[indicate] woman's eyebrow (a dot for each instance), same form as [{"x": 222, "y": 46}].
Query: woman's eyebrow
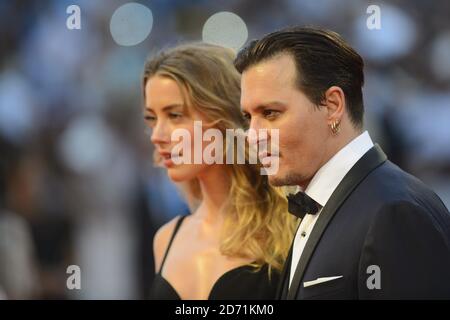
[{"x": 166, "y": 108}]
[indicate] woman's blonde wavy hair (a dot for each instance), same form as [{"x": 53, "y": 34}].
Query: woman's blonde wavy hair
[{"x": 257, "y": 224}]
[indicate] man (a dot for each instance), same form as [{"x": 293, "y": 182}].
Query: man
[{"x": 368, "y": 230}]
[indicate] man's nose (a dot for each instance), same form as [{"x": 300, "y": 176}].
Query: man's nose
[
  {"x": 255, "y": 124},
  {"x": 257, "y": 133}
]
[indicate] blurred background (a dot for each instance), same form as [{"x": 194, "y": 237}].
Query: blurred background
[{"x": 77, "y": 184}]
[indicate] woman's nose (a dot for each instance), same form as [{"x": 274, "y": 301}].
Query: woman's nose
[{"x": 160, "y": 134}]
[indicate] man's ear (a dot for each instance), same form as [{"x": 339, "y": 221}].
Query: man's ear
[{"x": 335, "y": 103}]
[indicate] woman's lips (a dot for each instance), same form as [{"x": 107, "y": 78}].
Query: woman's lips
[
  {"x": 168, "y": 163},
  {"x": 168, "y": 159}
]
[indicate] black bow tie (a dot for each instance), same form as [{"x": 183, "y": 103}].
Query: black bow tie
[{"x": 300, "y": 204}]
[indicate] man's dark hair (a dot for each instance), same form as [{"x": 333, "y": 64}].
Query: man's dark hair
[{"x": 323, "y": 59}]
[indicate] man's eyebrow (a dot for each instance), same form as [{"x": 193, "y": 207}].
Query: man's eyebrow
[
  {"x": 263, "y": 106},
  {"x": 166, "y": 108}
]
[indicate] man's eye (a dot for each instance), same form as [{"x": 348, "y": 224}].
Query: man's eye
[{"x": 270, "y": 114}]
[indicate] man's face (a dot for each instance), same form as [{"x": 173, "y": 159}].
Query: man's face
[{"x": 271, "y": 100}]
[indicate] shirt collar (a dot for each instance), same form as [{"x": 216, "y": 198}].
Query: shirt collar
[{"x": 328, "y": 177}]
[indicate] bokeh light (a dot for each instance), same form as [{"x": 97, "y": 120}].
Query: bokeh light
[
  {"x": 226, "y": 29},
  {"x": 131, "y": 24}
]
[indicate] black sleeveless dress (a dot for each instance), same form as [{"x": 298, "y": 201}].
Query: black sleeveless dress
[{"x": 241, "y": 283}]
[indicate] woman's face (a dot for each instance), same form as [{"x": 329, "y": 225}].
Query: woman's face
[{"x": 164, "y": 113}]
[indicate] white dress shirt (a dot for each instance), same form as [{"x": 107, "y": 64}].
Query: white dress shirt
[{"x": 322, "y": 186}]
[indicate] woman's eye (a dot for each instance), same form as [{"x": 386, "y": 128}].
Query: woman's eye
[
  {"x": 174, "y": 115},
  {"x": 150, "y": 119},
  {"x": 270, "y": 114},
  {"x": 247, "y": 116}
]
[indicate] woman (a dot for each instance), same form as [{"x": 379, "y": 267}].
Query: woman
[{"x": 234, "y": 244}]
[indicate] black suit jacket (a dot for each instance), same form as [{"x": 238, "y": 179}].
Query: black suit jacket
[{"x": 379, "y": 224}]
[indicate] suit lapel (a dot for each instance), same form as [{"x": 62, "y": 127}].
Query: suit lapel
[
  {"x": 371, "y": 160},
  {"x": 282, "y": 285}
]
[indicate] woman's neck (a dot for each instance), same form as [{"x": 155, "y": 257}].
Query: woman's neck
[{"x": 215, "y": 186}]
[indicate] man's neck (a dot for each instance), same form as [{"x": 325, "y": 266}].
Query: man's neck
[{"x": 334, "y": 146}]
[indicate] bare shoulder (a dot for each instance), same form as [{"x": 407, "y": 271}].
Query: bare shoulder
[{"x": 161, "y": 241}]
